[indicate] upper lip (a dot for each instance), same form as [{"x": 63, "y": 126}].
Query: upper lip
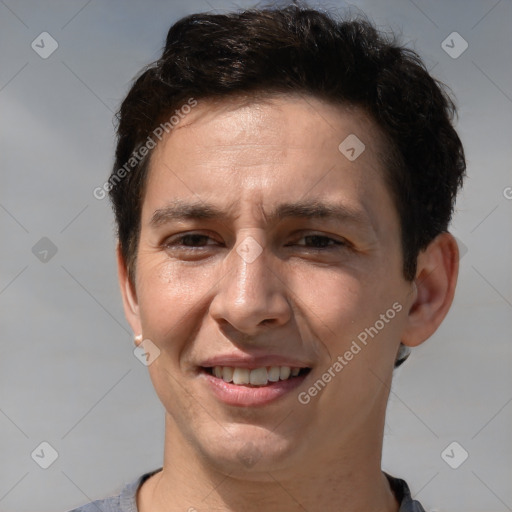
[{"x": 251, "y": 362}]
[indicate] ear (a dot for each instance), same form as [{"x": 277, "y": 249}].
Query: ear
[
  {"x": 436, "y": 277},
  {"x": 128, "y": 293}
]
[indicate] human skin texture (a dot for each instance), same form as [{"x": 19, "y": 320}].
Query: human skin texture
[{"x": 276, "y": 279}]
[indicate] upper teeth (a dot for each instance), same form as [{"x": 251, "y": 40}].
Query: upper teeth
[{"x": 256, "y": 377}]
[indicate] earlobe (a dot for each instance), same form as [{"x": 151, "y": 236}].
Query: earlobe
[
  {"x": 128, "y": 293},
  {"x": 435, "y": 281}
]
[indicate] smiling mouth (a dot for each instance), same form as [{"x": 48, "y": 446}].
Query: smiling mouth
[{"x": 256, "y": 377}]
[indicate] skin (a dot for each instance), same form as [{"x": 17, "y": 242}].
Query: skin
[{"x": 295, "y": 299}]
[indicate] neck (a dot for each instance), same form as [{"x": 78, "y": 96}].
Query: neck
[{"x": 340, "y": 479}]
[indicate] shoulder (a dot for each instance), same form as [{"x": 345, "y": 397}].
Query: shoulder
[
  {"x": 126, "y": 501},
  {"x": 111, "y": 504},
  {"x": 403, "y": 495}
]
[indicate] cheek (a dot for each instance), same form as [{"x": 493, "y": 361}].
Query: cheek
[
  {"x": 329, "y": 298},
  {"x": 343, "y": 307},
  {"x": 339, "y": 300},
  {"x": 169, "y": 298}
]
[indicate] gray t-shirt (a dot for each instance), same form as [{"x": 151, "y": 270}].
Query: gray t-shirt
[{"x": 126, "y": 501}]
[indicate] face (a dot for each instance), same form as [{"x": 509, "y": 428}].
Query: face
[{"x": 269, "y": 277}]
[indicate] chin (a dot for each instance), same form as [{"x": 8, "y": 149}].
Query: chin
[{"x": 250, "y": 450}]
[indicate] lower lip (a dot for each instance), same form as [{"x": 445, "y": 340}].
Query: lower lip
[{"x": 245, "y": 396}]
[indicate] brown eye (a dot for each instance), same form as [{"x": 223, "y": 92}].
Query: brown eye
[
  {"x": 320, "y": 242},
  {"x": 193, "y": 240},
  {"x": 189, "y": 241}
]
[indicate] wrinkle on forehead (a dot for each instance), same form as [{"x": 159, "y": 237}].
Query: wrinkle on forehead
[{"x": 261, "y": 109}]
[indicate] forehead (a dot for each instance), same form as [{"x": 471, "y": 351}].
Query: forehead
[
  {"x": 268, "y": 150},
  {"x": 275, "y": 121}
]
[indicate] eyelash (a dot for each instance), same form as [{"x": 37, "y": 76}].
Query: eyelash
[{"x": 177, "y": 242}]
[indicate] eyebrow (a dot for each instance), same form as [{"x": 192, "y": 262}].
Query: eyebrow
[{"x": 179, "y": 210}]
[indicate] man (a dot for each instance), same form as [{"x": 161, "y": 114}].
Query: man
[{"x": 283, "y": 187}]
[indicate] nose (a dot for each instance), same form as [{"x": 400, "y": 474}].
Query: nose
[{"x": 253, "y": 294}]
